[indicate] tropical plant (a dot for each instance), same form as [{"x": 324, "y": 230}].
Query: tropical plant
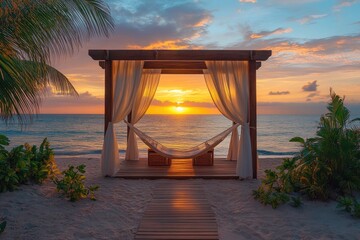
[
  {"x": 34, "y": 32},
  {"x": 2, "y": 226},
  {"x": 72, "y": 184},
  {"x": 327, "y": 165},
  {"x": 331, "y": 160},
  {"x": 24, "y": 164},
  {"x": 8, "y": 177},
  {"x": 42, "y": 163},
  {"x": 350, "y": 205}
]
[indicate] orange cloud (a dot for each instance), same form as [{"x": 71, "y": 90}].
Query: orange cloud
[
  {"x": 248, "y": 1},
  {"x": 203, "y": 22},
  {"x": 277, "y": 31},
  {"x": 168, "y": 44}
]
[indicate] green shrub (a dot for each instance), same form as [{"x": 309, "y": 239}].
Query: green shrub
[
  {"x": 350, "y": 205},
  {"x": 72, "y": 184},
  {"x": 296, "y": 202},
  {"x": 8, "y": 177},
  {"x": 42, "y": 163},
  {"x": 327, "y": 165},
  {"x": 2, "y": 226},
  {"x": 24, "y": 164}
]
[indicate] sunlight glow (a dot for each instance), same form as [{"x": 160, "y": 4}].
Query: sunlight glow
[{"x": 179, "y": 109}]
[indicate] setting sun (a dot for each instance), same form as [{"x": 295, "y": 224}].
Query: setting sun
[{"x": 179, "y": 110}]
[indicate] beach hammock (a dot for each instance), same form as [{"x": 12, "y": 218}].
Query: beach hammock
[{"x": 177, "y": 153}]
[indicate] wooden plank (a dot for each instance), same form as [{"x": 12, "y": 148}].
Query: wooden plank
[
  {"x": 178, "y": 211},
  {"x": 179, "y": 169},
  {"x": 252, "y": 115},
  {"x": 190, "y": 55}
]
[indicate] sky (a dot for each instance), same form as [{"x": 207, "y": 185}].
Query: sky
[{"x": 315, "y": 46}]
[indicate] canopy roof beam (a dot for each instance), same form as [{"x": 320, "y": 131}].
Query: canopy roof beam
[
  {"x": 181, "y": 55},
  {"x": 176, "y": 67}
]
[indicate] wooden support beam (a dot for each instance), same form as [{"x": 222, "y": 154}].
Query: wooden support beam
[
  {"x": 102, "y": 64},
  {"x": 108, "y": 93},
  {"x": 252, "y": 115},
  {"x": 176, "y": 67},
  {"x": 128, "y": 128},
  {"x": 180, "y": 55},
  {"x": 182, "y": 71},
  {"x": 258, "y": 65}
]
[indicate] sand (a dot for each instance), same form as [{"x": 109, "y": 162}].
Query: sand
[{"x": 37, "y": 212}]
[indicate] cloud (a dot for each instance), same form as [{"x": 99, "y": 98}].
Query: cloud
[
  {"x": 310, "y": 87},
  {"x": 343, "y": 3},
  {"x": 311, "y": 95},
  {"x": 287, "y": 2},
  {"x": 84, "y": 103},
  {"x": 310, "y": 18},
  {"x": 296, "y": 57},
  {"x": 248, "y": 1},
  {"x": 297, "y": 108},
  {"x": 279, "y": 93},
  {"x": 154, "y": 24},
  {"x": 263, "y": 34}
]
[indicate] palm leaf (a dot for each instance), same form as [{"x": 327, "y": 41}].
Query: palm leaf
[
  {"x": 32, "y": 34},
  {"x": 22, "y": 85}
]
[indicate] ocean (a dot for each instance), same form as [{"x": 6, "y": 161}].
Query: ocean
[{"x": 82, "y": 135}]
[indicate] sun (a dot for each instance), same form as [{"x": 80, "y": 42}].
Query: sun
[{"x": 179, "y": 109}]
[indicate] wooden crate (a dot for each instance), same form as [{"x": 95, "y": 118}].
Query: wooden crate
[
  {"x": 207, "y": 159},
  {"x": 155, "y": 159}
]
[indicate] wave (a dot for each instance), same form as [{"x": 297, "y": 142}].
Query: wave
[
  {"x": 80, "y": 153},
  {"x": 270, "y": 153}
]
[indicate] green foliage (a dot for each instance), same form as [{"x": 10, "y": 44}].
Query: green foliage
[
  {"x": 296, "y": 202},
  {"x": 2, "y": 226},
  {"x": 24, "y": 164},
  {"x": 269, "y": 197},
  {"x": 330, "y": 162},
  {"x": 350, "y": 205},
  {"x": 345, "y": 203},
  {"x": 327, "y": 164},
  {"x": 72, "y": 184},
  {"x": 33, "y": 33},
  {"x": 42, "y": 163}
]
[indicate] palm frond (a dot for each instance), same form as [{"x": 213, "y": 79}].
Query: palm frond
[
  {"x": 34, "y": 32},
  {"x": 22, "y": 84}
]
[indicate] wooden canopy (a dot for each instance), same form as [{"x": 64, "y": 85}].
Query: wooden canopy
[{"x": 185, "y": 62}]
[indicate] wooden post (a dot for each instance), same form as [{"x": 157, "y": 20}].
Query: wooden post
[
  {"x": 252, "y": 114},
  {"x": 128, "y": 128},
  {"x": 109, "y": 94}
]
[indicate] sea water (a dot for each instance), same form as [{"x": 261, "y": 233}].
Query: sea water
[{"x": 82, "y": 135}]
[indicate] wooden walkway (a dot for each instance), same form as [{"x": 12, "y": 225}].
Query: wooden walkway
[
  {"x": 179, "y": 169},
  {"x": 178, "y": 211}
]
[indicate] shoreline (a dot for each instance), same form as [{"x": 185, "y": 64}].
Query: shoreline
[{"x": 37, "y": 211}]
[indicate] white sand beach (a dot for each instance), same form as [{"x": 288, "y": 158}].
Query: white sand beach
[{"x": 37, "y": 211}]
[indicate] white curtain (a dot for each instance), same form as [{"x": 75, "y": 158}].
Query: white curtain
[
  {"x": 126, "y": 76},
  {"x": 148, "y": 85},
  {"x": 228, "y": 84}
]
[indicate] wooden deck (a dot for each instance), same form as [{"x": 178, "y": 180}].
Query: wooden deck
[
  {"x": 179, "y": 210},
  {"x": 179, "y": 169}
]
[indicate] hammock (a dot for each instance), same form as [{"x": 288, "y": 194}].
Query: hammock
[{"x": 182, "y": 153}]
